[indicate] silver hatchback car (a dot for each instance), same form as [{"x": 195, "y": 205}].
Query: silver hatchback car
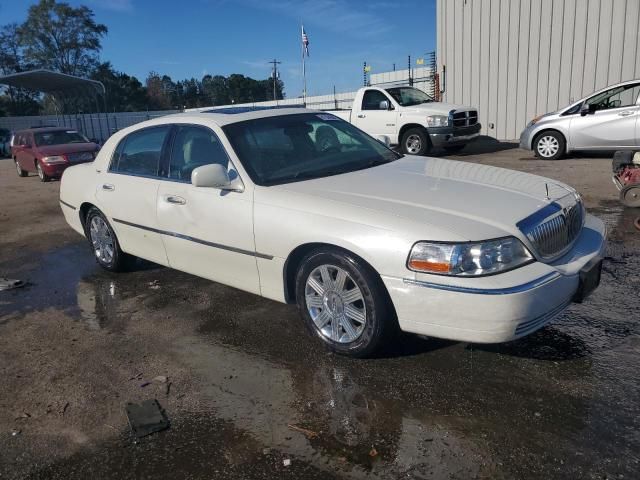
[{"x": 605, "y": 120}]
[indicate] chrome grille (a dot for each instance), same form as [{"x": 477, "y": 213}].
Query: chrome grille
[
  {"x": 555, "y": 232},
  {"x": 464, "y": 119}
]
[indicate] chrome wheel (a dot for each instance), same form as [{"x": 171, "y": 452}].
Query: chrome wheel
[
  {"x": 335, "y": 303},
  {"x": 40, "y": 171},
  {"x": 18, "y": 169},
  {"x": 548, "y": 146},
  {"x": 413, "y": 144},
  {"x": 101, "y": 239}
]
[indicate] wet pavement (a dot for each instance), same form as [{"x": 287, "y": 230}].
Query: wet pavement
[{"x": 248, "y": 388}]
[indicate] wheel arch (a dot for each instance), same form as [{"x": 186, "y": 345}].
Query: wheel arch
[
  {"x": 408, "y": 126},
  {"x": 542, "y": 131},
  {"x": 83, "y": 210},
  {"x": 294, "y": 260}
]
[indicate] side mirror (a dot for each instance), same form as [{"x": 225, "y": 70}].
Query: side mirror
[
  {"x": 383, "y": 105},
  {"x": 214, "y": 176},
  {"x": 588, "y": 108},
  {"x": 383, "y": 139}
]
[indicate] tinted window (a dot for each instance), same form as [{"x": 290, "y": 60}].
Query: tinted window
[
  {"x": 58, "y": 138},
  {"x": 139, "y": 153},
  {"x": 290, "y": 148},
  {"x": 192, "y": 148},
  {"x": 372, "y": 98},
  {"x": 408, "y": 96},
  {"x": 623, "y": 96}
]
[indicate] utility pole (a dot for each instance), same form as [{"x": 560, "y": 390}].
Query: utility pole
[{"x": 274, "y": 72}]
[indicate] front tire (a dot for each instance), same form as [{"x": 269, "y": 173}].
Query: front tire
[
  {"x": 415, "y": 141},
  {"x": 43, "y": 176},
  {"x": 343, "y": 302},
  {"x": 104, "y": 243},
  {"x": 19, "y": 170},
  {"x": 549, "y": 145}
]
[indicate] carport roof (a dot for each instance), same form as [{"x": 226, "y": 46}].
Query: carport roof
[{"x": 54, "y": 83}]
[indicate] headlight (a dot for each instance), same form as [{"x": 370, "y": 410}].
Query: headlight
[
  {"x": 53, "y": 159},
  {"x": 535, "y": 120},
  {"x": 469, "y": 259},
  {"x": 437, "y": 121}
]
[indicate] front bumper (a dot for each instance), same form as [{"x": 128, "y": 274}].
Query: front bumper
[
  {"x": 495, "y": 308},
  {"x": 446, "y": 136},
  {"x": 526, "y": 138}
]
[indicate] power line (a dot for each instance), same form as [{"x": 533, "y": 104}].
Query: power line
[{"x": 274, "y": 73}]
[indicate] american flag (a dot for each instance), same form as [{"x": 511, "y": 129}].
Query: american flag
[{"x": 305, "y": 43}]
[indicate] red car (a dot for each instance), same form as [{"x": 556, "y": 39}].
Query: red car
[{"x": 48, "y": 151}]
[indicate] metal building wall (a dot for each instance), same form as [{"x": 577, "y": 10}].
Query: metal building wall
[{"x": 515, "y": 59}]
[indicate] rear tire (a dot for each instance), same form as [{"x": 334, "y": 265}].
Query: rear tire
[
  {"x": 342, "y": 301},
  {"x": 104, "y": 243},
  {"x": 549, "y": 145},
  {"x": 43, "y": 176},
  {"x": 21, "y": 172},
  {"x": 415, "y": 141}
]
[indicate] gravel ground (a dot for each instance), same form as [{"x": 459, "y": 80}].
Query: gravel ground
[{"x": 247, "y": 389}]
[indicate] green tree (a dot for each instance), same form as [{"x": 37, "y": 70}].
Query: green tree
[
  {"x": 15, "y": 101},
  {"x": 62, "y": 38},
  {"x": 124, "y": 93},
  {"x": 215, "y": 90},
  {"x": 156, "y": 93}
]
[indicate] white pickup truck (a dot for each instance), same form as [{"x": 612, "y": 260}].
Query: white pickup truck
[{"x": 410, "y": 118}]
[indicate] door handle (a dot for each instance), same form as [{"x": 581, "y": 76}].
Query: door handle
[
  {"x": 626, "y": 113},
  {"x": 175, "y": 200},
  {"x": 108, "y": 186},
  {"x": 361, "y": 116}
]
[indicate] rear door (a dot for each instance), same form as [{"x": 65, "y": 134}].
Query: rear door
[
  {"x": 127, "y": 192},
  {"x": 23, "y": 152},
  {"x": 208, "y": 231},
  {"x": 372, "y": 118},
  {"x": 612, "y": 125}
]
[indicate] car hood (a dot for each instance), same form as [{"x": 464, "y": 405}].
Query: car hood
[
  {"x": 437, "y": 108},
  {"x": 469, "y": 201},
  {"x": 67, "y": 148}
]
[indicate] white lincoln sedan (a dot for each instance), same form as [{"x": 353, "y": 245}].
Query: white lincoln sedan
[{"x": 300, "y": 206}]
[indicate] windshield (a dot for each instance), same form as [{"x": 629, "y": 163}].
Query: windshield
[
  {"x": 291, "y": 148},
  {"x": 58, "y": 137},
  {"x": 408, "y": 96}
]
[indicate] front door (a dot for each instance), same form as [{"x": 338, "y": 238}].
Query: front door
[
  {"x": 206, "y": 231},
  {"x": 376, "y": 120},
  {"x": 612, "y": 123},
  {"x": 127, "y": 192}
]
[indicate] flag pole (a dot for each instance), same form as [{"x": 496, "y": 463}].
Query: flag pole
[{"x": 304, "y": 72}]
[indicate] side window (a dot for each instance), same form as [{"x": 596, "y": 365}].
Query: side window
[
  {"x": 371, "y": 100},
  {"x": 139, "y": 153},
  {"x": 624, "y": 96},
  {"x": 192, "y": 148}
]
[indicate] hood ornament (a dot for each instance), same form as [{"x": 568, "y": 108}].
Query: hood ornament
[{"x": 546, "y": 186}]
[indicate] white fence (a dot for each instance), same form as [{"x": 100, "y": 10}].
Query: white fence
[{"x": 97, "y": 126}]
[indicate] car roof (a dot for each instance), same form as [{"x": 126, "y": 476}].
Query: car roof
[
  {"x": 229, "y": 115},
  {"x": 45, "y": 129}
]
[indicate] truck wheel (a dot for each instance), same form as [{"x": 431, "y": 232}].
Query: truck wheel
[
  {"x": 630, "y": 196},
  {"x": 549, "y": 145},
  {"x": 415, "y": 141}
]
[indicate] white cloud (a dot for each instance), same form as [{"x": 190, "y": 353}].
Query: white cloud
[{"x": 336, "y": 15}]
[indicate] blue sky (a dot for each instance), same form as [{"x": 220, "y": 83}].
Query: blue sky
[{"x": 194, "y": 37}]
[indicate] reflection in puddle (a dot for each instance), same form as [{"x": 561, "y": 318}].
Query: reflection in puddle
[{"x": 349, "y": 423}]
